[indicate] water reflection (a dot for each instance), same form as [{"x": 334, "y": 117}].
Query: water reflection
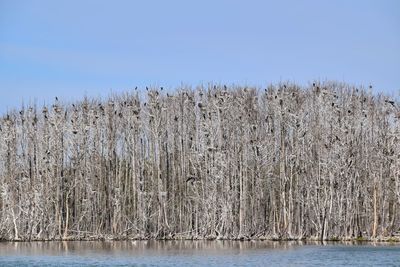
[
  {"x": 65, "y": 247},
  {"x": 158, "y": 247},
  {"x": 197, "y": 253}
]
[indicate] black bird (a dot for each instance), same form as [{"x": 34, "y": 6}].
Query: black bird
[
  {"x": 136, "y": 88},
  {"x": 56, "y": 98},
  {"x": 191, "y": 179},
  {"x": 161, "y": 88},
  {"x": 313, "y": 84},
  {"x": 147, "y": 88},
  {"x": 391, "y": 102}
]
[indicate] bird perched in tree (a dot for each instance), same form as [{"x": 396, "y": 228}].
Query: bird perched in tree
[
  {"x": 56, "y": 98},
  {"x": 391, "y": 102},
  {"x": 191, "y": 179}
]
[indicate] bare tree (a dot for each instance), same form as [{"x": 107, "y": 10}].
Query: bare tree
[{"x": 283, "y": 162}]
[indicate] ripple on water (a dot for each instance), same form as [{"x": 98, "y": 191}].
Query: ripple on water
[{"x": 197, "y": 253}]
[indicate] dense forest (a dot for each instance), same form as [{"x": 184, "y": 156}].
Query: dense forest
[{"x": 284, "y": 162}]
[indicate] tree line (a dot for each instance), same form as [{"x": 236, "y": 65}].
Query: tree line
[{"x": 284, "y": 162}]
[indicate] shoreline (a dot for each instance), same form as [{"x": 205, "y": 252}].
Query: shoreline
[{"x": 394, "y": 239}]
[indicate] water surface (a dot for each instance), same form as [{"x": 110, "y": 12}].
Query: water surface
[{"x": 197, "y": 253}]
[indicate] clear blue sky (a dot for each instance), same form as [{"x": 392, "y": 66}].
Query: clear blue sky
[{"x": 72, "y": 48}]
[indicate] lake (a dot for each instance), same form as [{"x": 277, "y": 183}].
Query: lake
[{"x": 197, "y": 253}]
